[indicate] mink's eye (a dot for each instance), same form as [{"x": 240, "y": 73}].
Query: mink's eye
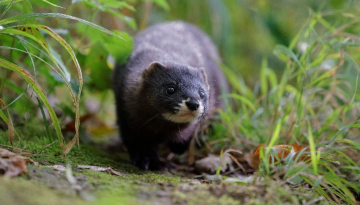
[
  {"x": 202, "y": 94},
  {"x": 170, "y": 90}
]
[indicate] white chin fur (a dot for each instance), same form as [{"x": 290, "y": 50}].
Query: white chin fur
[{"x": 184, "y": 115}]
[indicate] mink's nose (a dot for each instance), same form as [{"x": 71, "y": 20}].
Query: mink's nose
[{"x": 192, "y": 105}]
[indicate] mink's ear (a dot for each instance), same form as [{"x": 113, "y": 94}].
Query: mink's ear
[
  {"x": 202, "y": 71},
  {"x": 153, "y": 68}
]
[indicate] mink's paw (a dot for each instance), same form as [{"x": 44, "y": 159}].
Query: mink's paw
[{"x": 148, "y": 163}]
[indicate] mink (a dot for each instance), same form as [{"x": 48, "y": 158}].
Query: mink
[{"x": 169, "y": 86}]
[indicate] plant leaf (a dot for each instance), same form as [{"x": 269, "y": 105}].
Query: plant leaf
[
  {"x": 38, "y": 90},
  {"x": 6, "y": 9},
  {"x": 52, "y": 4},
  {"x": 53, "y": 15}
]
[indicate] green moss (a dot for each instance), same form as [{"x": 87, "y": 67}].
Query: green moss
[
  {"x": 49, "y": 152},
  {"x": 152, "y": 178},
  {"x": 112, "y": 189}
]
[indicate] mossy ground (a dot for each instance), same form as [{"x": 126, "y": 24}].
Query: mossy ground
[{"x": 45, "y": 185}]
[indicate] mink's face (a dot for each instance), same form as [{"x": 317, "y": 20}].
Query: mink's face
[{"x": 179, "y": 93}]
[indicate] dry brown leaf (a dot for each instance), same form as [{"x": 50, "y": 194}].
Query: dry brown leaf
[
  {"x": 253, "y": 159},
  {"x": 12, "y": 164},
  {"x": 12, "y": 167},
  {"x": 100, "y": 169},
  {"x": 4, "y": 153}
]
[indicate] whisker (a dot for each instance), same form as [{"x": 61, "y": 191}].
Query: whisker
[
  {"x": 180, "y": 132},
  {"x": 149, "y": 120}
]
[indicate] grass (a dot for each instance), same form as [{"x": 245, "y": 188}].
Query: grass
[{"x": 315, "y": 102}]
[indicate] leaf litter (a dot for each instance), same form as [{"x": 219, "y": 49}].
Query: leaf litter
[{"x": 12, "y": 164}]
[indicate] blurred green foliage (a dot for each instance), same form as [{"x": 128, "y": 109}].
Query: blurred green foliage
[{"x": 247, "y": 31}]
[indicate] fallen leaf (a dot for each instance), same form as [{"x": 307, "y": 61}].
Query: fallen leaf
[
  {"x": 283, "y": 151},
  {"x": 252, "y": 160},
  {"x": 11, "y": 164},
  {"x": 100, "y": 169},
  {"x": 4, "y": 153},
  {"x": 211, "y": 163}
]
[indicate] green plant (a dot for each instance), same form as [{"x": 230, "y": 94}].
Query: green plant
[
  {"x": 24, "y": 42},
  {"x": 314, "y": 102}
]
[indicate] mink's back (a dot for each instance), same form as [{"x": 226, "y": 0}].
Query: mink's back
[{"x": 176, "y": 42}]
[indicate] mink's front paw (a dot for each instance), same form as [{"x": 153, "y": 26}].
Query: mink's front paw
[{"x": 148, "y": 163}]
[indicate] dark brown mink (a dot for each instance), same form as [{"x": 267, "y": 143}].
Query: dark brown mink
[{"x": 170, "y": 84}]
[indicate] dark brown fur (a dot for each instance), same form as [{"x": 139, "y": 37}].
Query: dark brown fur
[{"x": 177, "y": 55}]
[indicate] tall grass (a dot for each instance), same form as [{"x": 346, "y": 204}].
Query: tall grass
[{"x": 315, "y": 102}]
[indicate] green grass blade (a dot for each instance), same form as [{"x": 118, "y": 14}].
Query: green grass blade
[
  {"x": 61, "y": 71},
  {"x": 314, "y": 157},
  {"x": 38, "y": 90},
  {"x": 12, "y": 31},
  {"x": 72, "y": 54},
  {"x": 6, "y": 9},
  {"x": 54, "y": 15},
  {"x": 30, "y": 54},
  {"x": 6, "y": 2},
  {"x": 52, "y": 4},
  {"x": 350, "y": 142},
  {"x": 243, "y": 100},
  {"x": 284, "y": 53},
  {"x": 44, "y": 118},
  {"x": 272, "y": 142},
  {"x": 4, "y": 117},
  {"x": 76, "y": 101},
  {"x": 263, "y": 82}
]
